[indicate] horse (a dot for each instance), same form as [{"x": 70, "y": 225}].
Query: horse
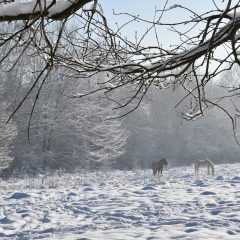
[
  {"x": 204, "y": 163},
  {"x": 157, "y": 166}
]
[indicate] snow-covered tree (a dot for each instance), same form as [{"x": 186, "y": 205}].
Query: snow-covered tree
[
  {"x": 75, "y": 131},
  {"x": 8, "y": 131},
  {"x": 66, "y": 131},
  {"x": 57, "y": 129}
]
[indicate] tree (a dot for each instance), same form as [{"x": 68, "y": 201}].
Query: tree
[
  {"x": 66, "y": 132},
  {"x": 8, "y": 132},
  {"x": 130, "y": 63}
]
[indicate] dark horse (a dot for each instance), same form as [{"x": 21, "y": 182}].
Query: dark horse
[{"x": 157, "y": 166}]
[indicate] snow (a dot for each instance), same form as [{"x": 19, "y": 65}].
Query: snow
[{"x": 123, "y": 205}]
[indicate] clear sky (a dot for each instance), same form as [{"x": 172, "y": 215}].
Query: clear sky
[{"x": 145, "y": 9}]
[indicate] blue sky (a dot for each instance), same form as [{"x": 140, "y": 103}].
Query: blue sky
[{"x": 145, "y": 8}]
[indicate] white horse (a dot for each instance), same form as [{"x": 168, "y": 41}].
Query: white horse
[{"x": 204, "y": 163}]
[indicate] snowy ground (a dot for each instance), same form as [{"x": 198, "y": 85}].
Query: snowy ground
[{"x": 123, "y": 205}]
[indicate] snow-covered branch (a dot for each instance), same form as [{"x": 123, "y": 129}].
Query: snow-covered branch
[{"x": 51, "y": 9}]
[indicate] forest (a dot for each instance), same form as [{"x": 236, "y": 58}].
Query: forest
[
  {"x": 69, "y": 133},
  {"x": 75, "y": 94}
]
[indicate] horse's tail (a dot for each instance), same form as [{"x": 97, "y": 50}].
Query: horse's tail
[{"x": 211, "y": 166}]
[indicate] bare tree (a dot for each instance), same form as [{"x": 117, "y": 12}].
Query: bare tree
[{"x": 128, "y": 62}]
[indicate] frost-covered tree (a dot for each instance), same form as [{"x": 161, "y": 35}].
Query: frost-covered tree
[
  {"x": 81, "y": 130},
  {"x": 8, "y": 131},
  {"x": 66, "y": 131},
  {"x": 61, "y": 130}
]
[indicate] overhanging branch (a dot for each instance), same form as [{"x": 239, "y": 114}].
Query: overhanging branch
[{"x": 54, "y": 9}]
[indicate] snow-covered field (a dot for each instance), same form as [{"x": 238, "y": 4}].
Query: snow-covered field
[{"x": 123, "y": 205}]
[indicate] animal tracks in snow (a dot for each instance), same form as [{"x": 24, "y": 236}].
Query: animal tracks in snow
[{"x": 124, "y": 205}]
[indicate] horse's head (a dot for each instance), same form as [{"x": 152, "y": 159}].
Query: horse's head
[{"x": 164, "y": 161}]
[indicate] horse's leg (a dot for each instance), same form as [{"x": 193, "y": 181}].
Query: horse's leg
[
  {"x": 208, "y": 169},
  {"x": 195, "y": 169},
  {"x": 213, "y": 170}
]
